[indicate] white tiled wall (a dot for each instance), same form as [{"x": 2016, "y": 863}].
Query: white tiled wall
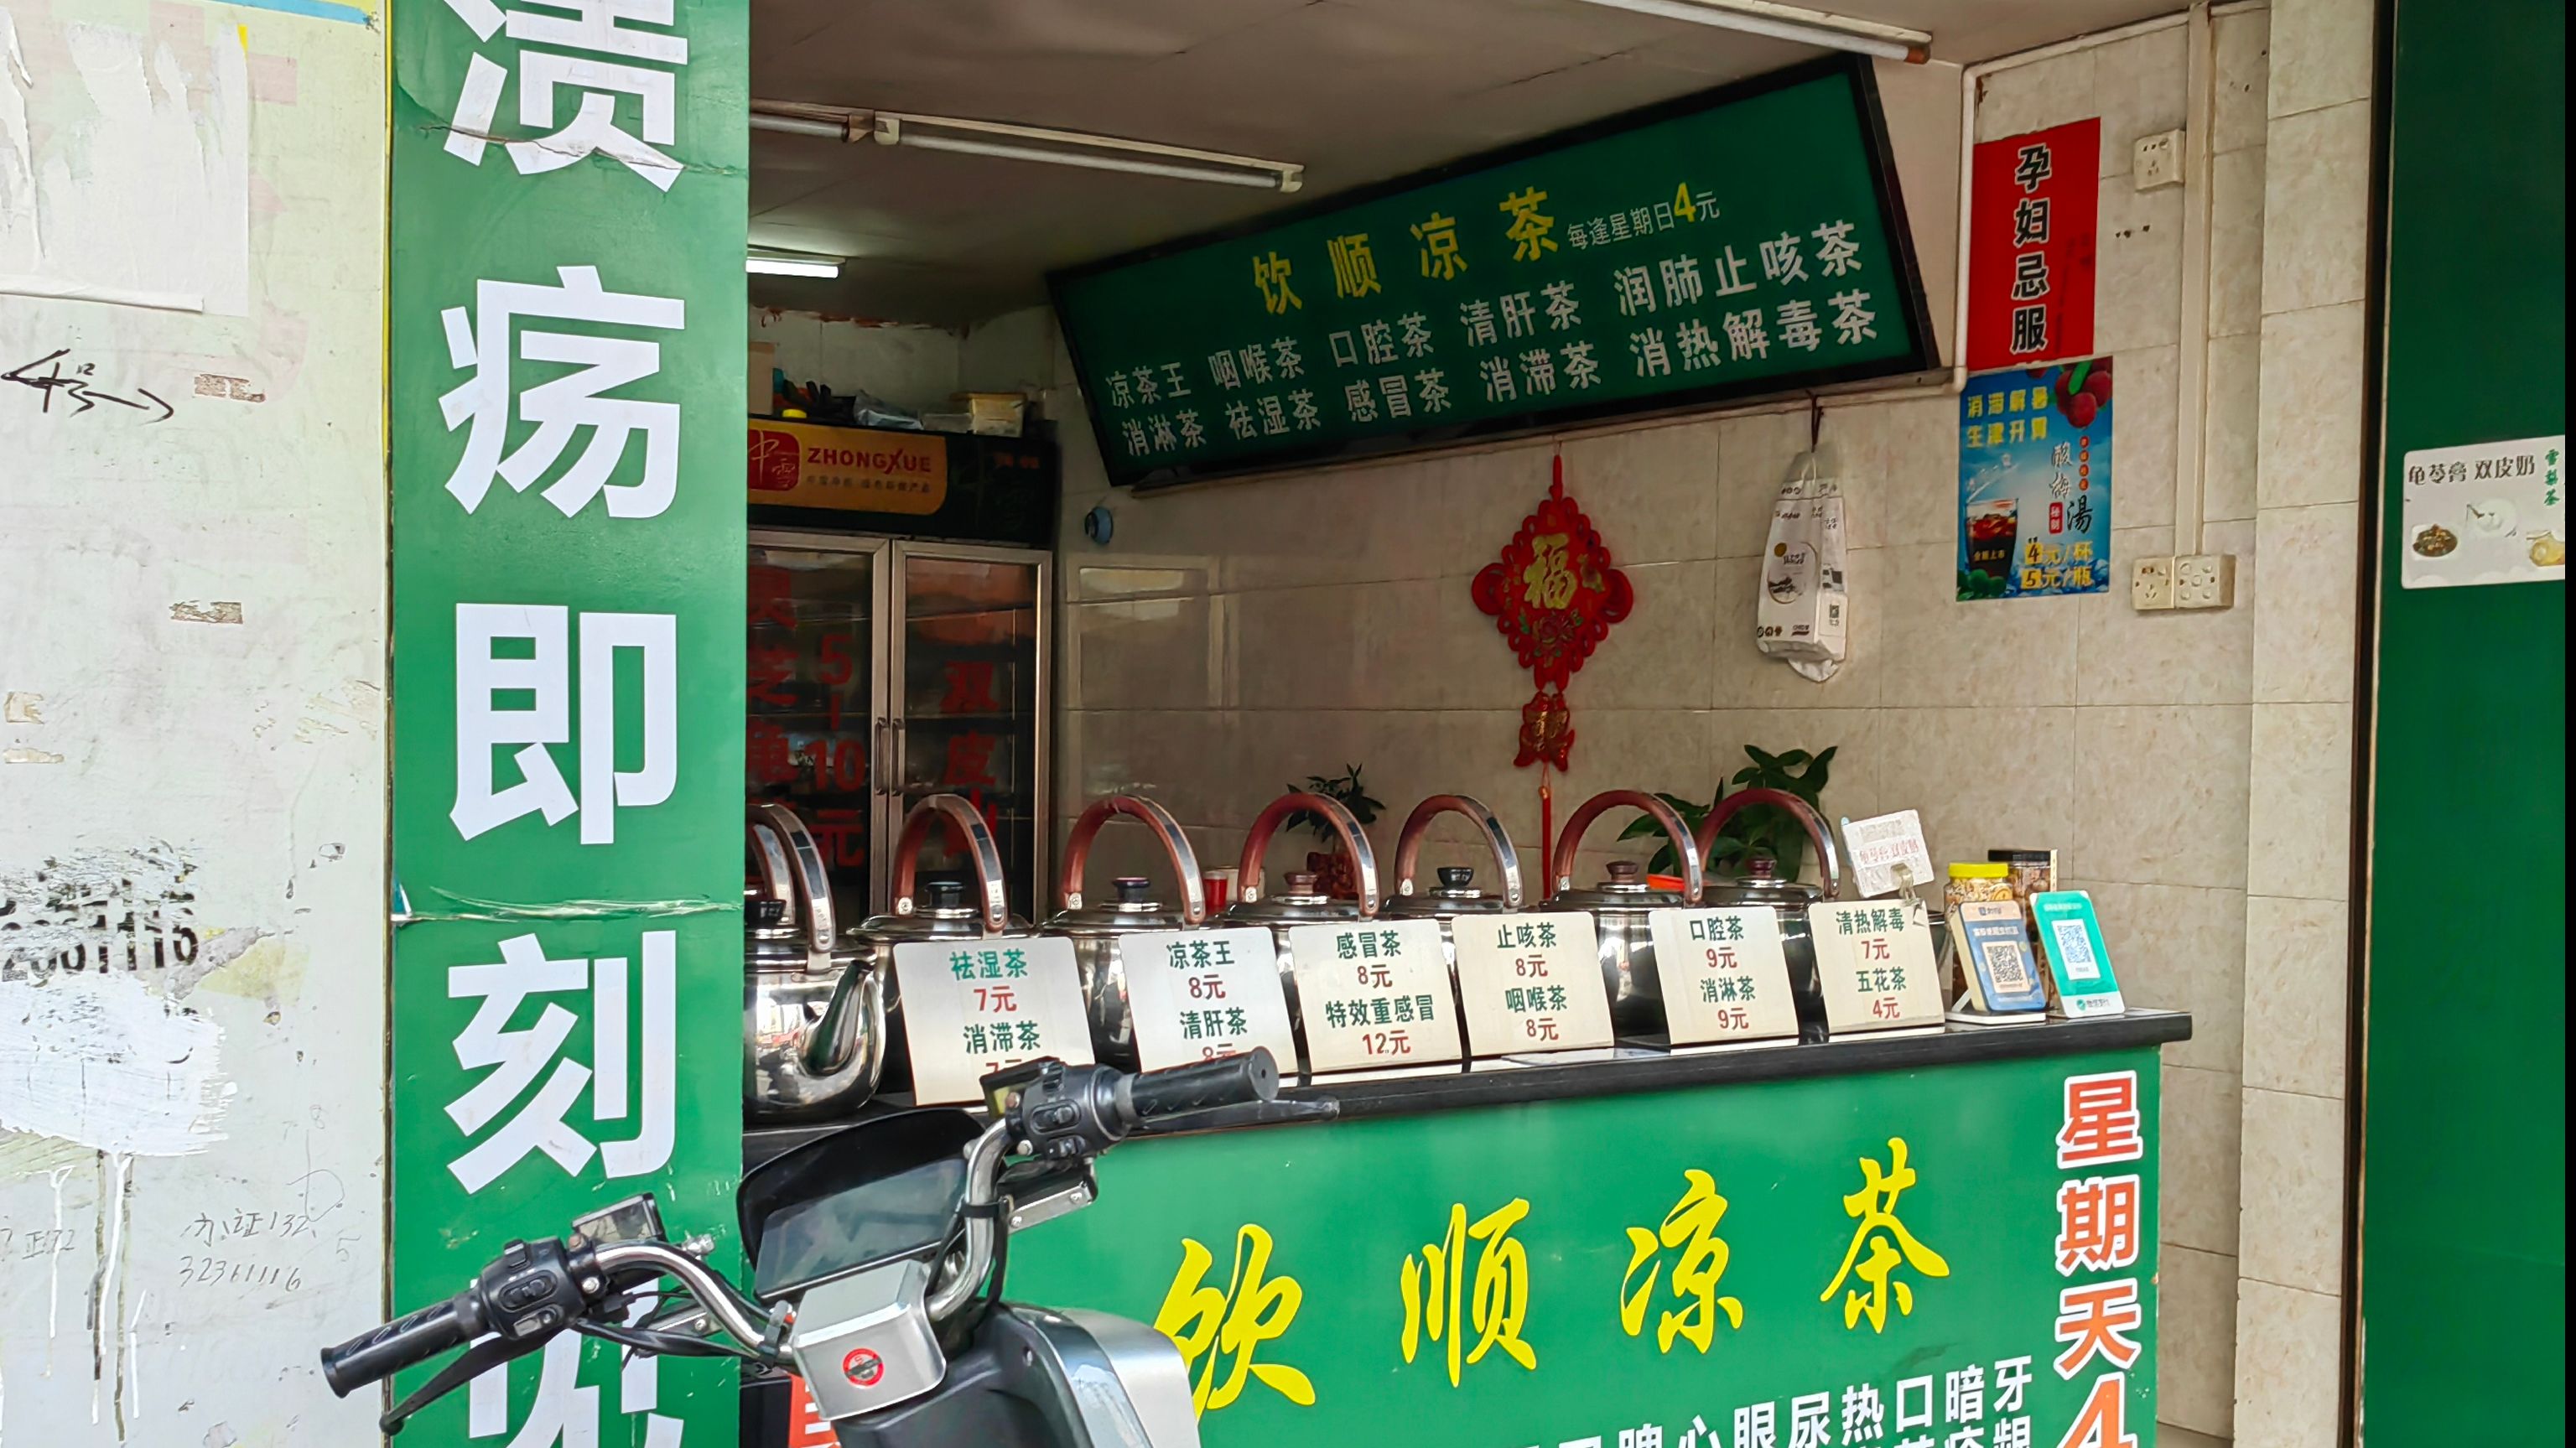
[
  {"x": 2299, "y": 835},
  {"x": 1232, "y": 638}
]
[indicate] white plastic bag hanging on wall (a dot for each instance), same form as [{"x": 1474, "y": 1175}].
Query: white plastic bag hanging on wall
[{"x": 1803, "y": 616}]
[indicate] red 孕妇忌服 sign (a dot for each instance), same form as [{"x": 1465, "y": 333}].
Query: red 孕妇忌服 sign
[{"x": 2034, "y": 206}]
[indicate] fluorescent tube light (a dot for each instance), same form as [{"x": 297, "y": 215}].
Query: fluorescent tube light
[
  {"x": 1026, "y": 143},
  {"x": 1790, "y": 23},
  {"x": 791, "y": 264}
]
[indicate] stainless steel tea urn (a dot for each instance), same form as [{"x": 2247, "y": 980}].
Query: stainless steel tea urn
[
  {"x": 1456, "y": 893},
  {"x": 1787, "y": 899},
  {"x": 1095, "y": 929},
  {"x": 947, "y": 913},
  {"x": 814, "y": 1011},
  {"x": 1301, "y": 903},
  {"x": 1620, "y": 906}
]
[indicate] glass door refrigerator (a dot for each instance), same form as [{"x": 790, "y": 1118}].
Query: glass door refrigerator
[{"x": 882, "y": 671}]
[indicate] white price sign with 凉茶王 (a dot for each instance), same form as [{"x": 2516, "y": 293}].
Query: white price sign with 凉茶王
[
  {"x": 1194, "y": 995},
  {"x": 1374, "y": 995},
  {"x": 1531, "y": 983},
  {"x": 972, "y": 1007},
  {"x": 1724, "y": 976}
]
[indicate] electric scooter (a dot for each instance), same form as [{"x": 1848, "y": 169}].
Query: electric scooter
[{"x": 878, "y": 1255}]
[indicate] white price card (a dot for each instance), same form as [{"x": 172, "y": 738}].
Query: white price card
[
  {"x": 1876, "y": 961},
  {"x": 1374, "y": 995},
  {"x": 1724, "y": 976},
  {"x": 2492, "y": 512},
  {"x": 1195, "y": 995},
  {"x": 971, "y": 1007},
  {"x": 1881, "y": 843},
  {"x": 1531, "y": 983}
]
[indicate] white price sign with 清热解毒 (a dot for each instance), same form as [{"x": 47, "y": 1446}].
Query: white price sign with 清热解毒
[
  {"x": 971, "y": 1007},
  {"x": 1194, "y": 995},
  {"x": 1374, "y": 995},
  {"x": 1876, "y": 964},
  {"x": 1724, "y": 976},
  {"x": 1531, "y": 983}
]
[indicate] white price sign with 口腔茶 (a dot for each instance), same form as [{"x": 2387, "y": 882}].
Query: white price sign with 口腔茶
[
  {"x": 1195, "y": 995},
  {"x": 1532, "y": 983},
  {"x": 1877, "y": 967},
  {"x": 1724, "y": 976},
  {"x": 1374, "y": 995},
  {"x": 972, "y": 1007}
]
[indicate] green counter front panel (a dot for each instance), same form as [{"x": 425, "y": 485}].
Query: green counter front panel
[{"x": 1553, "y": 1267}]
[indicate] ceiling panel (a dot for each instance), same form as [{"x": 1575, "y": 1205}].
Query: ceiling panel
[{"x": 1355, "y": 90}]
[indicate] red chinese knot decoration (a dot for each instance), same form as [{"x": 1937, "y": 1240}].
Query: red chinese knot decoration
[{"x": 1554, "y": 594}]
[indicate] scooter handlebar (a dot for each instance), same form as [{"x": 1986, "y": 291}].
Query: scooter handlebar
[
  {"x": 1225, "y": 1081},
  {"x": 407, "y": 1341}
]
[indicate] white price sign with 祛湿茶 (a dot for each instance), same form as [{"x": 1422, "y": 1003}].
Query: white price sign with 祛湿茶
[
  {"x": 1876, "y": 963},
  {"x": 1724, "y": 976},
  {"x": 972, "y": 1007},
  {"x": 1531, "y": 983},
  {"x": 1195, "y": 995},
  {"x": 1879, "y": 845},
  {"x": 1374, "y": 995}
]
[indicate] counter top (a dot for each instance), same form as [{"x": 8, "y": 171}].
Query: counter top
[{"x": 1851, "y": 1056}]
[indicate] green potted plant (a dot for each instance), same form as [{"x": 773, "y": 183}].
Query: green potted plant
[
  {"x": 1761, "y": 831},
  {"x": 1335, "y": 874}
]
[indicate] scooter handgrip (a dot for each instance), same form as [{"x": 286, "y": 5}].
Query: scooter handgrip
[
  {"x": 1226, "y": 1081},
  {"x": 407, "y": 1341}
]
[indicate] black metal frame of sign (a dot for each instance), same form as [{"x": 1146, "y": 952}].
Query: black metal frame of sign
[{"x": 1916, "y": 355}]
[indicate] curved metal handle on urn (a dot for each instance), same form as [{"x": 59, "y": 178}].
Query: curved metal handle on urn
[
  {"x": 1408, "y": 844},
  {"x": 980, "y": 849},
  {"x": 1176, "y": 847},
  {"x": 1561, "y": 869},
  {"x": 784, "y": 845},
  {"x": 1818, "y": 833},
  {"x": 1256, "y": 845}
]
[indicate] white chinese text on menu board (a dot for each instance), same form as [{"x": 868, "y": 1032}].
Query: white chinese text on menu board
[
  {"x": 1198, "y": 994},
  {"x": 1532, "y": 983},
  {"x": 1724, "y": 976},
  {"x": 1374, "y": 995},
  {"x": 972, "y": 1007}
]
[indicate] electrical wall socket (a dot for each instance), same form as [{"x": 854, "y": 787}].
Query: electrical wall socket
[
  {"x": 2157, "y": 160},
  {"x": 2205, "y": 580},
  {"x": 2151, "y": 584}
]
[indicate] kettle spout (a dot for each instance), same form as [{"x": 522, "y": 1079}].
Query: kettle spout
[{"x": 848, "y": 1044}]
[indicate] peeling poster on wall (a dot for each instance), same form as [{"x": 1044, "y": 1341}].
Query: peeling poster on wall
[{"x": 2035, "y": 481}]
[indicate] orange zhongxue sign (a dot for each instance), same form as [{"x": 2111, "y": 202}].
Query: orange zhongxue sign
[{"x": 799, "y": 465}]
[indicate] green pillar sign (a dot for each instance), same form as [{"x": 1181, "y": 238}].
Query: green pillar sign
[{"x": 569, "y": 191}]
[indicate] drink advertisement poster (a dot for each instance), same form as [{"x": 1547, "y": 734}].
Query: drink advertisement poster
[{"x": 2035, "y": 481}]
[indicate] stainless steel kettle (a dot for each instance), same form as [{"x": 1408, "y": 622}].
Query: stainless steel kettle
[
  {"x": 1301, "y": 903},
  {"x": 946, "y": 914},
  {"x": 1620, "y": 907},
  {"x": 1095, "y": 929},
  {"x": 814, "y": 1013},
  {"x": 1456, "y": 894},
  {"x": 1787, "y": 899}
]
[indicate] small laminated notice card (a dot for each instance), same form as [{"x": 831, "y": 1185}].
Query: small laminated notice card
[
  {"x": 971, "y": 1007},
  {"x": 2071, "y": 937},
  {"x": 1724, "y": 976},
  {"x": 1532, "y": 983},
  {"x": 1374, "y": 995},
  {"x": 1199, "y": 994},
  {"x": 1880, "y": 845},
  {"x": 1876, "y": 961}
]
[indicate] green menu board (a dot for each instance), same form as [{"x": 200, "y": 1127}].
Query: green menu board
[
  {"x": 1748, "y": 240},
  {"x": 568, "y": 585}
]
